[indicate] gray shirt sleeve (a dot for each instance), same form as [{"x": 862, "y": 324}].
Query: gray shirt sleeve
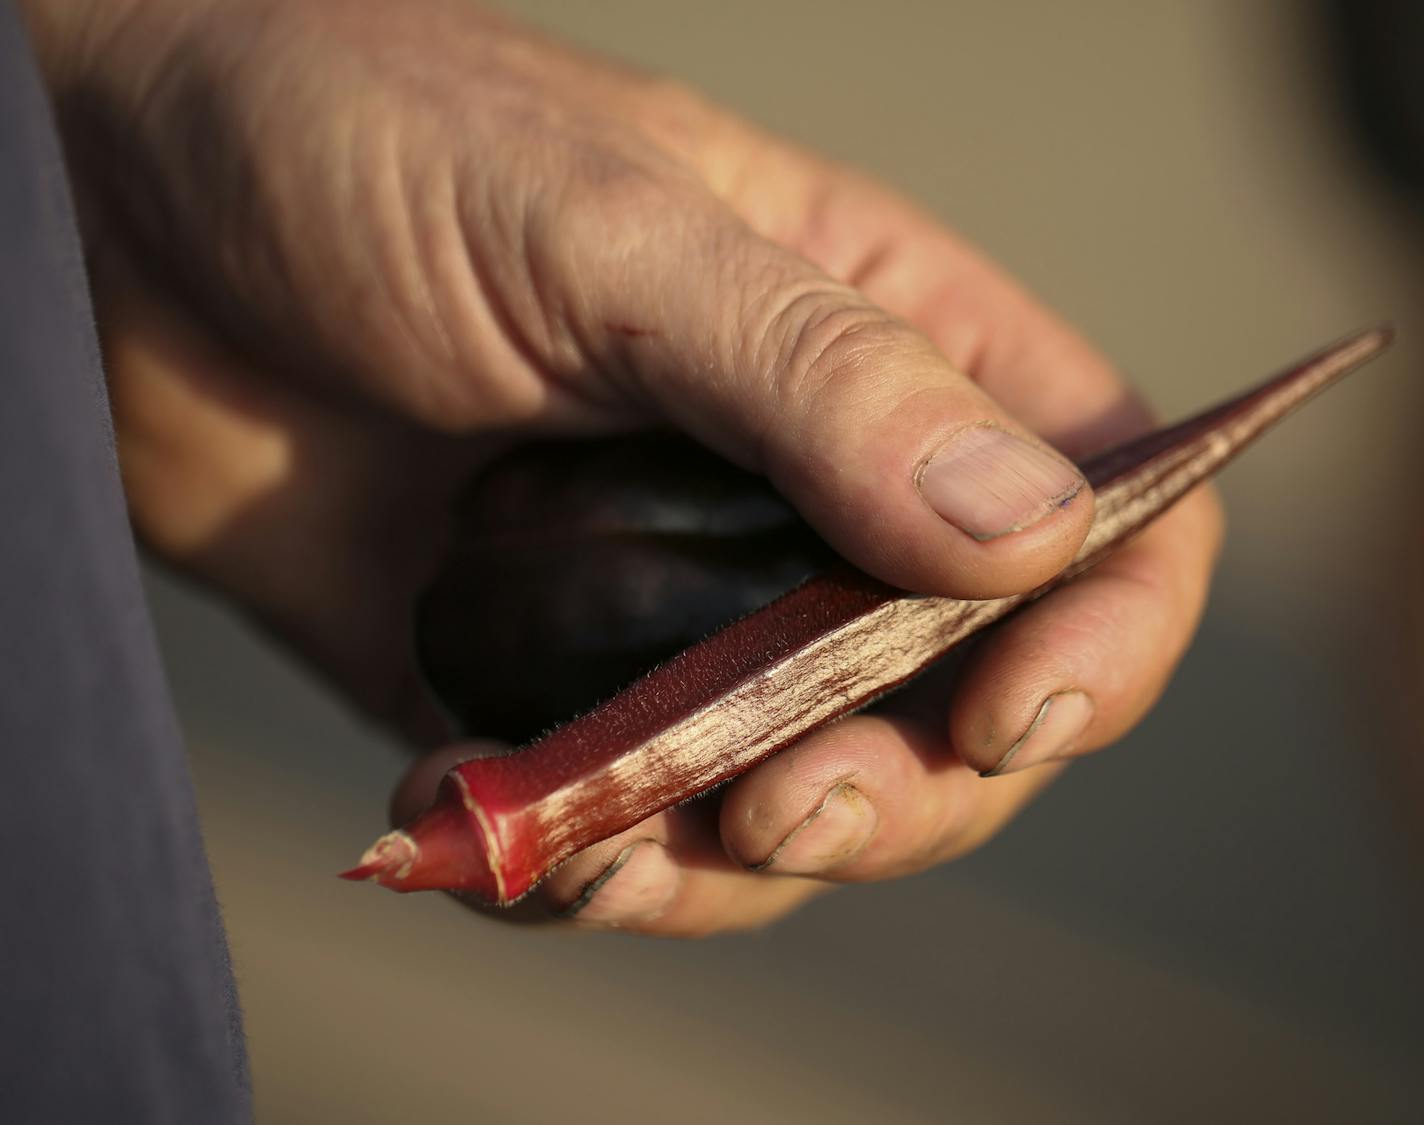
[{"x": 116, "y": 996}]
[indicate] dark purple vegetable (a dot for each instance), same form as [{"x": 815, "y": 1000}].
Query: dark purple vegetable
[{"x": 579, "y": 566}]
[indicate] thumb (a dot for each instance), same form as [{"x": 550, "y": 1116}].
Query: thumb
[{"x": 901, "y": 462}]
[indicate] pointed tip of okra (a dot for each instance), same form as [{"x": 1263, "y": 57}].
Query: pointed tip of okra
[{"x": 388, "y": 861}]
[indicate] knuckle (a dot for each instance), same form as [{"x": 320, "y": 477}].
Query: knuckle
[
  {"x": 584, "y": 246},
  {"x": 829, "y": 340},
  {"x": 612, "y": 191},
  {"x": 823, "y": 338},
  {"x": 615, "y": 207}
]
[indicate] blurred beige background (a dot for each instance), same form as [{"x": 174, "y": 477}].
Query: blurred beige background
[{"x": 1218, "y": 920}]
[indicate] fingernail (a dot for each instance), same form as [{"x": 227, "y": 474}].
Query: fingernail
[
  {"x": 837, "y": 830},
  {"x": 1055, "y": 730},
  {"x": 636, "y": 887},
  {"x": 988, "y": 482}
]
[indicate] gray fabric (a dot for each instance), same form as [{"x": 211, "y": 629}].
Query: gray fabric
[{"x": 116, "y": 998}]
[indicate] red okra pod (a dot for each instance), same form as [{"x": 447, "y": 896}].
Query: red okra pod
[{"x": 831, "y": 646}]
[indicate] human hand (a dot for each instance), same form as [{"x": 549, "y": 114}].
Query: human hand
[{"x": 352, "y": 251}]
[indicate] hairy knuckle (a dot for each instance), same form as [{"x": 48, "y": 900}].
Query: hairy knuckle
[
  {"x": 589, "y": 241},
  {"x": 614, "y": 193},
  {"x": 824, "y": 337}
]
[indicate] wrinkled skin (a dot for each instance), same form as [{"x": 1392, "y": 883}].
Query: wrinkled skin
[{"x": 344, "y": 252}]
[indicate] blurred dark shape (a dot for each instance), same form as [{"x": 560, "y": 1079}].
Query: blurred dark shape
[
  {"x": 579, "y": 566},
  {"x": 1379, "y": 51}
]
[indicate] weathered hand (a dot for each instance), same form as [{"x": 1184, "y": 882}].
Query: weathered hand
[{"x": 345, "y": 251}]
